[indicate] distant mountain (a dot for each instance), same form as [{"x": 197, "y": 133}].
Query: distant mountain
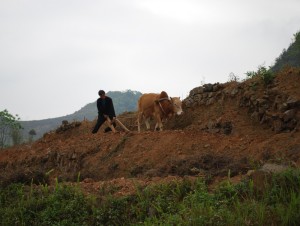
[
  {"x": 289, "y": 57},
  {"x": 124, "y": 101}
]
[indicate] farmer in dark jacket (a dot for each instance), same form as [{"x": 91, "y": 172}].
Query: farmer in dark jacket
[{"x": 105, "y": 109}]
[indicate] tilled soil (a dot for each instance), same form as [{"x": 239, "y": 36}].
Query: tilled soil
[{"x": 214, "y": 141}]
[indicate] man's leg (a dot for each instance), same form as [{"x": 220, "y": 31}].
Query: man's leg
[{"x": 99, "y": 123}]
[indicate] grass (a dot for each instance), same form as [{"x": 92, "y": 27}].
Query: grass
[{"x": 175, "y": 203}]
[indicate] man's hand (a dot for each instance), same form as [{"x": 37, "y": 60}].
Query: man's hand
[{"x": 110, "y": 120}]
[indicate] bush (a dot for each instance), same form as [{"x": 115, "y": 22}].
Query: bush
[
  {"x": 65, "y": 205},
  {"x": 175, "y": 203},
  {"x": 266, "y": 75}
]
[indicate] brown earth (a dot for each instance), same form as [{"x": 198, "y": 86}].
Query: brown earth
[{"x": 226, "y": 129}]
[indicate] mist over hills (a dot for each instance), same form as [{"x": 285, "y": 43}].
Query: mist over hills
[{"x": 124, "y": 101}]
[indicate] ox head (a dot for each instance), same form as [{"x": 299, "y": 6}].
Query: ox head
[{"x": 177, "y": 105}]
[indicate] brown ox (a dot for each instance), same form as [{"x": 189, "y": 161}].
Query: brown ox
[{"x": 158, "y": 106}]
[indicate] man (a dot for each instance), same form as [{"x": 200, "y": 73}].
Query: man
[{"x": 105, "y": 109}]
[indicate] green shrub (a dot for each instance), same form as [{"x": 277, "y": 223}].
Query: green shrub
[
  {"x": 175, "y": 203},
  {"x": 65, "y": 205},
  {"x": 267, "y": 76}
]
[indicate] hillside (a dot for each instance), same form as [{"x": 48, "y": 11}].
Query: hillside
[
  {"x": 226, "y": 128},
  {"x": 289, "y": 56},
  {"x": 123, "y": 101}
]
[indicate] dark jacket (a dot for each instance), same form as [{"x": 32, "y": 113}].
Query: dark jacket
[{"x": 106, "y": 107}]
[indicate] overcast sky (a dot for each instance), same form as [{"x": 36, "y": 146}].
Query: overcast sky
[{"x": 56, "y": 54}]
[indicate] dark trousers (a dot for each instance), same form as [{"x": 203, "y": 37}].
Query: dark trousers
[{"x": 100, "y": 121}]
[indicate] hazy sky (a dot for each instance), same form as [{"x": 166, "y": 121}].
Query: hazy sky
[{"x": 56, "y": 54}]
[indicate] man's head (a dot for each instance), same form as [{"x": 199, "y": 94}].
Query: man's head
[{"x": 101, "y": 93}]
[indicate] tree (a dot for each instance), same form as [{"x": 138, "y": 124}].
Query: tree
[
  {"x": 8, "y": 123},
  {"x": 31, "y": 134},
  {"x": 290, "y": 56},
  {"x": 16, "y": 136}
]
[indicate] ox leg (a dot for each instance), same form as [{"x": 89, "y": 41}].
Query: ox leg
[
  {"x": 139, "y": 126},
  {"x": 158, "y": 125},
  {"x": 139, "y": 122},
  {"x": 141, "y": 117},
  {"x": 147, "y": 123}
]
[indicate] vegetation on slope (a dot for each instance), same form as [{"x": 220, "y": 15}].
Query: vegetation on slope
[
  {"x": 175, "y": 203},
  {"x": 290, "y": 56}
]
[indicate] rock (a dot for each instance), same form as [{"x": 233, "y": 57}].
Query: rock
[
  {"x": 197, "y": 90},
  {"x": 277, "y": 102},
  {"x": 227, "y": 128},
  {"x": 197, "y": 97},
  {"x": 289, "y": 115},
  {"x": 195, "y": 171},
  {"x": 255, "y": 116},
  {"x": 73, "y": 156},
  {"x": 291, "y": 125},
  {"x": 210, "y": 125},
  {"x": 208, "y": 87},
  {"x": 292, "y": 103},
  {"x": 277, "y": 125},
  {"x": 216, "y": 87},
  {"x": 188, "y": 102},
  {"x": 273, "y": 168},
  {"x": 88, "y": 180},
  {"x": 234, "y": 92},
  {"x": 261, "y": 101},
  {"x": 273, "y": 92},
  {"x": 210, "y": 101},
  {"x": 262, "y": 177},
  {"x": 283, "y": 107}
]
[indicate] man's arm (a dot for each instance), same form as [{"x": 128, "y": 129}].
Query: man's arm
[
  {"x": 99, "y": 106},
  {"x": 111, "y": 108}
]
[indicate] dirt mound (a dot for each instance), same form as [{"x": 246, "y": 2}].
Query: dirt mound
[{"x": 225, "y": 129}]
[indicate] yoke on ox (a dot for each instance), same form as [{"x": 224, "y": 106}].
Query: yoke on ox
[{"x": 159, "y": 107}]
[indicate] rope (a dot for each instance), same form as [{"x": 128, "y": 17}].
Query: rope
[{"x": 160, "y": 100}]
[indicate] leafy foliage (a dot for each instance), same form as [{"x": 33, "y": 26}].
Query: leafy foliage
[
  {"x": 175, "y": 203},
  {"x": 289, "y": 57},
  {"x": 16, "y": 136},
  {"x": 266, "y": 75},
  {"x": 9, "y": 124},
  {"x": 31, "y": 134}
]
